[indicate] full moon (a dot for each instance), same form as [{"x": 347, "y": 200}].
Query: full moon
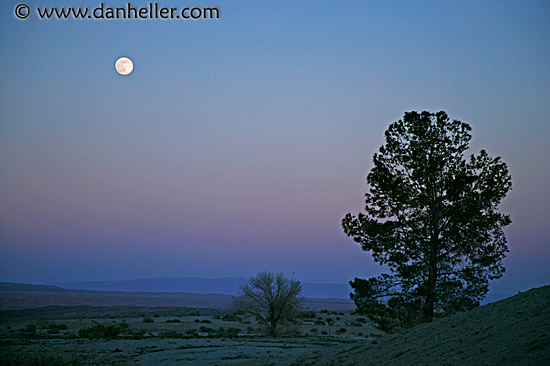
[{"x": 124, "y": 66}]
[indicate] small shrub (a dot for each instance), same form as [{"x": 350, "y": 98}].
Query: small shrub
[
  {"x": 100, "y": 331},
  {"x": 341, "y": 330},
  {"x": 53, "y": 331},
  {"x": 148, "y": 320},
  {"x": 231, "y": 318},
  {"x": 314, "y": 330},
  {"x": 195, "y": 313},
  {"x": 173, "y": 321},
  {"x": 43, "y": 323},
  {"x": 319, "y": 322},
  {"x": 307, "y": 314},
  {"x": 324, "y": 332},
  {"x": 232, "y": 332},
  {"x": 169, "y": 334},
  {"x": 30, "y": 328},
  {"x": 57, "y": 326},
  {"x": 138, "y": 334},
  {"x": 205, "y": 321}
]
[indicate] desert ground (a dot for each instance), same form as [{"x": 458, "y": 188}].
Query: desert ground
[
  {"x": 513, "y": 331},
  {"x": 148, "y": 336}
]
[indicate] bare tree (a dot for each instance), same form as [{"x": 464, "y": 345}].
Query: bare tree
[{"x": 271, "y": 298}]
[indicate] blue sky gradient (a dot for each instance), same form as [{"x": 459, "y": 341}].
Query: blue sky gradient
[{"x": 238, "y": 144}]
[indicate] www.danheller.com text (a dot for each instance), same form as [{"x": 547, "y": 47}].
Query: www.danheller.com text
[{"x": 152, "y": 10}]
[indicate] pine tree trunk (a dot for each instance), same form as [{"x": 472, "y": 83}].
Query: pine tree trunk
[{"x": 430, "y": 294}]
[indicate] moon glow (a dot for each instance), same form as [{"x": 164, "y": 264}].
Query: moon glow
[{"x": 124, "y": 66}]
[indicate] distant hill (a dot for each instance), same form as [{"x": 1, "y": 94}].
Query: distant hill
[
  {"x": 513, "y": 331},
  {"x": 197, "y": 285},
  {"x": 15, "y": 295}
]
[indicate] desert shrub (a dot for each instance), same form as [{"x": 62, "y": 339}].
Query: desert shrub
[
  {"x": 195, "y": 313},
  {"x": 319, "y": 322},
  {"x": 231, "y": 318},
  {"x": 197, "y": 321},
  {"x": 53, "y": 331},
  {"x": 361, "y": 320},
  {"x": 307, "y": 315},
  {"x": 148, "y": 320},
  {"x": 173, "y": 321},
  {"x": 169, "y": 334},
  {"x": 231, "y": 332},
  {"x": 205, "y": 321},
  {"x": 156, "y": 316},
  {"x": 58, "y": 326},
  {"x": 43, "y": 323},
  {"x": 124, "y": 325},
  {"x": 314, "y": 330},
  {"x": 324, "y": 311},
  {"x": 324, "y": 332},
  {"x": 137, "y": 334},
  {"x": 341, "y": 330},
  {"x": 206, "y": 329},
  {"x": 30, "y": 328},
  {"x": 100, "y": 331},
  {"x": 191, "y": 332}
]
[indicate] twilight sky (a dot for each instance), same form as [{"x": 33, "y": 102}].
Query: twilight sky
[{"x": 238, "y": 144}]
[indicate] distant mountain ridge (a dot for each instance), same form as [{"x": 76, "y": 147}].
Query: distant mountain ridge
[
  {"x": 19, "y": 296},
  {"x": 198, "y": 285}
]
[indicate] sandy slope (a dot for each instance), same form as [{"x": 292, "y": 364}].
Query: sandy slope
[{"x": 514, "y": 331}]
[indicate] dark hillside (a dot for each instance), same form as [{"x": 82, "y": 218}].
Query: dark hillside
[{"x": 513, "y": 331}]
